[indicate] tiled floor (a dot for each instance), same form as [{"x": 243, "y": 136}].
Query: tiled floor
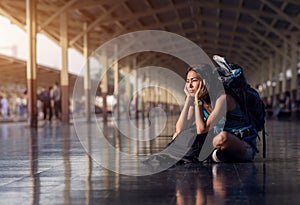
[{"x": 58, "y": 165}]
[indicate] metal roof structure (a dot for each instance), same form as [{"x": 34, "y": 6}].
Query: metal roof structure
[
  {"x": 245, "y": 31},
  {"x": 14, "y": 71}
]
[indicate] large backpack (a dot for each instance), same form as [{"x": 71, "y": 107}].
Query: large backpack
[{"x": 236, "y": 85}]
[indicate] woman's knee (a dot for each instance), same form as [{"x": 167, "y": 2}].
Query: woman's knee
[{"x": 220, "y": 140}]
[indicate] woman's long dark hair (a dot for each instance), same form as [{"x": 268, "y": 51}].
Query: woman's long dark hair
[{"x": 205, "y": 98}]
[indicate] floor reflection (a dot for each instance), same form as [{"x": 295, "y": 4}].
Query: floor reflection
[
  {"x": 139, "y": 140},
  {"x": 33, "y": 166},
  {"x": 89, "y": 166},
  {"x": 51, "y": 166},
  {"x": 67, "y": 163},
  {"x": 216, "y": 184},
  {"x": 195, "y": 188}
]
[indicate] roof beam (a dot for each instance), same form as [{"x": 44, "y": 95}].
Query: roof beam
[
  {"x": 234, "y": 52},
  {"x": 11, "y": 18},
  {"x": 277, "y": 33},
  {"x": 273, "y": 21},
  {"x": 95, "y": 22},
  {"x": 88, "y": 3},
  {"x": 181, "y": 6},
  {"x": 283, "y": 15},
  {"x": 242, "y": 59},
  {"x": 233, "y": 49},
  {"x": 267, "y": 42},
  {"x": 259, "y": 51},
  {"x": 292, "y": 1},
  {"x": 56, "y": 14},
  {"x": 235, "y": 24},
  {"x": 208, "y": 4},
  {"x": 6, "y": 63},
  {"x": 229, "y": 33}
]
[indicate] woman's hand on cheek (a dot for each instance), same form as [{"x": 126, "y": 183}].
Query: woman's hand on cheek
[
  {"x": 202, "y": 90},
  {"x": 198, "y": 92}
]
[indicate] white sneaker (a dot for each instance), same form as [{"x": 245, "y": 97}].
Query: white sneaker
[
  {"x": 219, "y": 156},
  {"x": 214, "y": 156}
]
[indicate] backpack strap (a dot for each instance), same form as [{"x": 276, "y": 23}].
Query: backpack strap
[
  {"x": 263, "y": 130},
  {"x": 241, "y": 100},
  {"x": 244, "y": 132}
]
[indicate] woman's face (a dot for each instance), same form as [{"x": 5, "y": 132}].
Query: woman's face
[{"x": 192, "y": 82}]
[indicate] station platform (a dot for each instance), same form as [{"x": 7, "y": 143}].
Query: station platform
[{"x": 54, "y": 165}]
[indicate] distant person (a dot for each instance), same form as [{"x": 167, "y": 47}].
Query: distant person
[
  {"x": 25, "y": 104},
  {"x": 45, "y": 98},
  {"x": 284, "y": 106},
  {"x": 287, "y": 102},
  {"x": 4, "y": 107},
  {"x": 56, "y": 97},
  {"x": 276, "y": 108},
  {"x": 269, "y": 106},
  {"x": 19, "y": 106}
]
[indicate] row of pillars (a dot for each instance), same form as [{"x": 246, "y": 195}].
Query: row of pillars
[
  {"x": 273, "y": 80},
  {"x": 144, "y": 93},
  {"x": 31, "y": 22}
]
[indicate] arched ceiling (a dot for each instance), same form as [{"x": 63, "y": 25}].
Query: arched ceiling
[{"x": 247, "y": 32}]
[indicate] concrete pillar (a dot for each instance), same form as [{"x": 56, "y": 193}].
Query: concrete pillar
[
  {"x": 87, "y": 80},
  {"x": 64, "y": 75},
  {"x": 263, "y": 79},
  {"x": 283, "y": 66},
  {"x": 145, "y": 80},
  {"x": 104, "y": 86},
  {"x": 270, "y": 77},
  {"x": 31, "y": 63},
  {"x": 163, "y": 95},
  {"x": 116, "y": 81},
  {"x": 273, "y": 78},
  {"x": 157, "y": 92},
  {"x": 127, "y": 90},
  {"x": 148, "y": 95},
  {"x": 298, "y": 77},
  {"x": 167, "y": 100},
  {"x": 294, "y": 80},
  {"x": 135, "y": 89},
  {"x": 277, "y": 72},
  {"x": 266, "y": 78}
]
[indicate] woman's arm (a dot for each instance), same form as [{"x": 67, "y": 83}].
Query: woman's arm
[
  {"x": 199, "y": 116},
  {"x": 187, "y": 114},
  {"x": 217, "y": 113}
]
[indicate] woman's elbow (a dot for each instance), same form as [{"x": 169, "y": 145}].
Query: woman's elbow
[
  {"x": 178, "y": 127},
  {"x": 201, "y": 129}
]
